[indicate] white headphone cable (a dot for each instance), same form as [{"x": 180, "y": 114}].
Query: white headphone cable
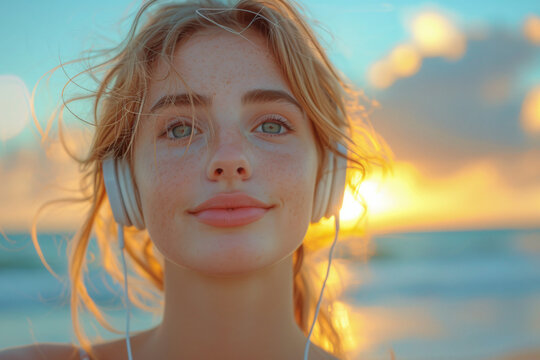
[
  {"x": 121, "y": 243},
  {"x": 306, "y": 350}
]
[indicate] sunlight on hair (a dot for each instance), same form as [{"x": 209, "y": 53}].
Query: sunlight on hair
[
  {"x": 351, "y": 208},
  {"x": 376, "y": 196},
  {"x": 14, "y": 102},
  {"x": 338, "y": 276},
  {"x": 341, "y": 317}
]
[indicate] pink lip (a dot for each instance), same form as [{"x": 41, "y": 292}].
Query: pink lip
[
  {"x": 230, "y": 218},
  {"x": 228, "y": 210}
]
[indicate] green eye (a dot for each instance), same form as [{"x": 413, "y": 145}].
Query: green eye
[
  {"x": 274, "y": 124},
  {"x": 179, "y": 130},
  {"x": 273, "y": 127}
]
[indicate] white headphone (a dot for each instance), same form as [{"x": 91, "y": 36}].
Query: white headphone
[{"x": 127, "y": 211}]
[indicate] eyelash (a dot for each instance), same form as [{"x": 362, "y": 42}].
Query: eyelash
[{"x": 270, "y": 118}]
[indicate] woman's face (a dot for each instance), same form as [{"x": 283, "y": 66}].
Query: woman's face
[{"x": 249, "y": 152}]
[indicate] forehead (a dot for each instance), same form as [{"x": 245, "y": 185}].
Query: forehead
[{"x": 211, "y": 61}]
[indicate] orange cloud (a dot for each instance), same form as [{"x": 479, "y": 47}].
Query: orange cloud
[
  {"x": 405, "y": 60},
  {"x": 29, "y": 178},
  {"x": 531, "y": 29},
  {"x": 433, "y": 34},
  {"x": 436, "y": 35},
  {"x": 530, "y": 112},
  {"x": 381, "y": 74}
]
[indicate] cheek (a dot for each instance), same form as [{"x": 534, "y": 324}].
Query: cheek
[
  {"x": 296, "y": 192},
  {"x": 164, "y": 189},
  {"x": 294, "y": 184}
]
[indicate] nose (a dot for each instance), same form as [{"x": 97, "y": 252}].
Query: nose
[{"x": 229, "y": 163}]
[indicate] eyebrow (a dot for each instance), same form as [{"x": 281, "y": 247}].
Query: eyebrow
[{"x": 251, "y": 97}]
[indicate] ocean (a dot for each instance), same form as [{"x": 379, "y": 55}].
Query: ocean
[{"x": 425, "y": 295}]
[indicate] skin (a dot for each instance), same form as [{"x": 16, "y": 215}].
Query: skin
[{"x": 228, "y": 291}]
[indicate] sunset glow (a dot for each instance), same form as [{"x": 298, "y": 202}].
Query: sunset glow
[
  {"x": 530, "y": 113},
  {"x": 411, "y": 200}
]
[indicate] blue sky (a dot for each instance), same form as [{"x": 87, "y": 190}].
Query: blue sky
[
  {"x": 40, "y": 33},
  {"x": 37, "y": 33},
  {"x": 457, "y": 122}
]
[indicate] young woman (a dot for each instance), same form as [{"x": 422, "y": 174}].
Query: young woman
[{"x": 222, "y": 131}]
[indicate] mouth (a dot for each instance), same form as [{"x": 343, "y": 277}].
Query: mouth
[{"x": 230, "y": 217}]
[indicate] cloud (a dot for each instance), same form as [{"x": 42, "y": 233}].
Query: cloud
[
  {"x": 531, "y": 29},
  {"x": 14, "y": 102},
  {"x": 452, "y": 113},
  {"x": 433, "y": 34},
  {"x": 530, "y": 114},
  {"x": 436, "y": 35},
  {"x": 31, "y": 176}
]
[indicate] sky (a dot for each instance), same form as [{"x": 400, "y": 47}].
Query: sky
[{"x": 457, "y": 85}]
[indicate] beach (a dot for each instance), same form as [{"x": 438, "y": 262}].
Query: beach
[{"x": 436, "y": 295}]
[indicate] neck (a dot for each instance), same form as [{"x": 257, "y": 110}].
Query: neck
[{"x": 248, "y": 316}]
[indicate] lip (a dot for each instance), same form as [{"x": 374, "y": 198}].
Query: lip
[{"x": 228, "y": 210}]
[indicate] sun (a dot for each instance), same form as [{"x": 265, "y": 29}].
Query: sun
[{"x": 373, "y": 194}]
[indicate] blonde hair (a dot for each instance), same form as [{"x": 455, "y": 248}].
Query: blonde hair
[{"x": 330, "y": 102}]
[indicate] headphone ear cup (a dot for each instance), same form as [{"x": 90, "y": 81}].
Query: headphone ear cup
[
  {"x": 112, "y": 186},
  {"x": 338, "y": 183},
  {"x": 323, "y": 189},
  {"x": 127, "y": 188},
  {"x": 121, "y": 192},
  {"x": 331, "y": 188}
]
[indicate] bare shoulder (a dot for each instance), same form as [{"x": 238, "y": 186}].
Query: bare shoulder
[
  {"x": 328, "y": 356},
  {"x": 320, "y": 354},
  {"x": 112, "y": 349},
  {"x": 40, "y": 351}
]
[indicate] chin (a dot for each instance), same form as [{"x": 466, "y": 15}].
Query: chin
[
  {"x": 229, "y": 261},
  {"x": 225, "y": 268}
]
